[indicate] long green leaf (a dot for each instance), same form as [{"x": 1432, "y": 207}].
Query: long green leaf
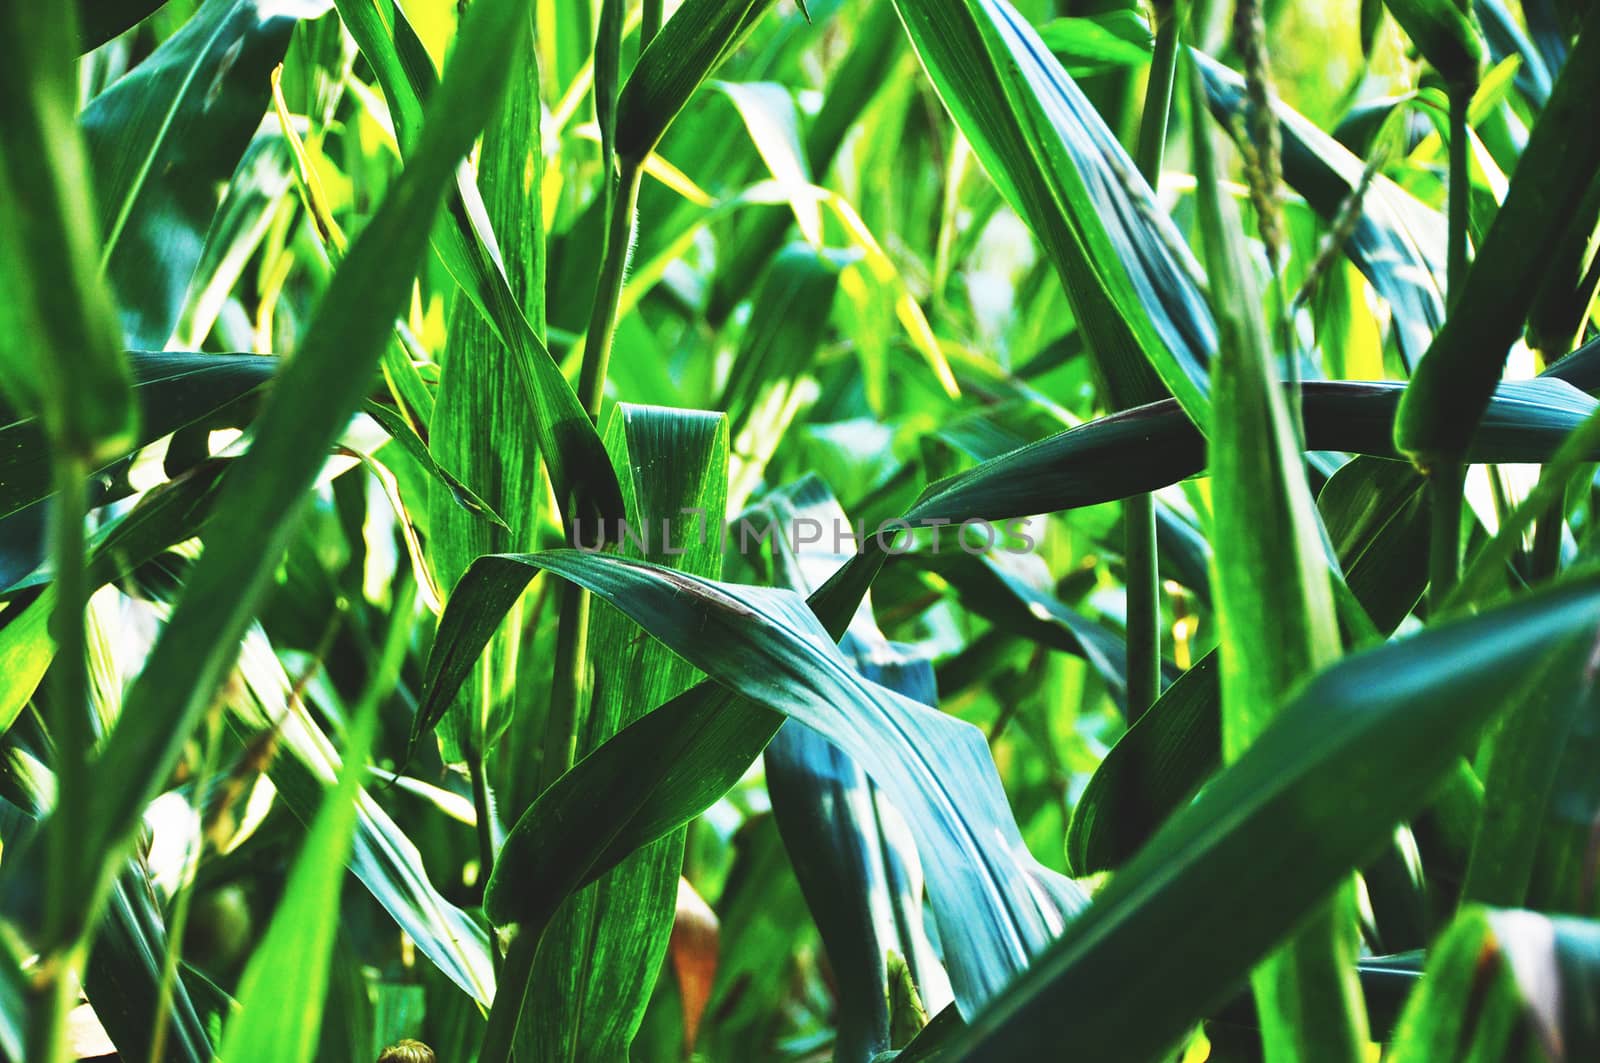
[
  {"x": 278, "y": 1022},
  {"x": 600, "y": 956},
  {"x": 315, "y": 396},
  {"x": 1127, "y": 272},
  {"x": 1373, "y": 512},
  {"x": 586, "y": 487},
  {"x": 674, "y": 763},
  {"x": 995, "y": 905},
  {"x": 1452, "y": 385},
  {"x": 162, "y": 138},
  {"x": 1360, "y": 747},
  {"x": 62, "y": 359},
  {"x": 691, "y": 45},
  {"x": 1275, "y": 612}
]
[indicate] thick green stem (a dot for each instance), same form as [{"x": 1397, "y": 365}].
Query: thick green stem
[
  {"x": 572, "y": 633},
  {"x": 1445, "y": 484},
  {"x": 1460, "y": 190},
  {"x": 1139, "y": 511},
  {"x": 1446, "y": 481},
  {"x": 510, "y": 990},
  {"x": 650, "y": 23},
  {"x": 1144, "y": 604},
  {"x": 482, "y": 804},
  {"x": 608, "y": 290},
  {"x": 1158, "y": 100},
  {"x": 73, "y": 736}
]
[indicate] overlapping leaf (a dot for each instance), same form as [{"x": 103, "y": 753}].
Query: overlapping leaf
[
  {"x": 1129, "y": 276},
  {"x": 995, "y": 905}
]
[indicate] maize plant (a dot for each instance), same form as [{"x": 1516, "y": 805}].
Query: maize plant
[{"x": 799, "y": 530}]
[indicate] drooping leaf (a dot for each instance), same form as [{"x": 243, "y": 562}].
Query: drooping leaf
[
  {"x": 995, "y": 905},
  {"x": 1359, "y": 748},
  {"x": 174, "y": 389},
  {"x": 674, "y": 763},
  {"x": 855, "y": 860}
]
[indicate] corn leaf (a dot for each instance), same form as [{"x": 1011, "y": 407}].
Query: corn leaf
[{"x": 1358, "y": 748}]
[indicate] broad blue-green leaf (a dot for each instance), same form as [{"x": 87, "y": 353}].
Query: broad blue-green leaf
[
  {"x": 856, "y": 862},
  {"x": 674, "y": 763},
  {"x": 1360, "y": 747},
  {"x": 995, "y": 905}
]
